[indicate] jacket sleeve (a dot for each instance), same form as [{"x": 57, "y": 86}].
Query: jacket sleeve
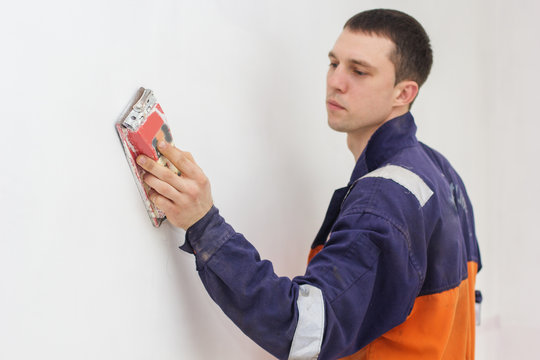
[{"x": 358, "y": 287}]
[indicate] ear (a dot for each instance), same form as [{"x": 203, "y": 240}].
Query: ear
[{"x": 405, "y": 92}]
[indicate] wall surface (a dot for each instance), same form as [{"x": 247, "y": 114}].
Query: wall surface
[
  {"x": 83, "y": 274},
  {"x": 511, "y": 75}
]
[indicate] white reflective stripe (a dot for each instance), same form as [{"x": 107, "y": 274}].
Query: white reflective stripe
[
  {"x": 309, "y": 332},
  {"x": 405, "y": 178}
]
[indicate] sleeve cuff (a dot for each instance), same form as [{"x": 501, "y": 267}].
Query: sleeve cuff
[{"x": 206, "y": 236}]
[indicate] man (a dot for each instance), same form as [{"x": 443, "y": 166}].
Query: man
[{"x": 392, "y": 270}]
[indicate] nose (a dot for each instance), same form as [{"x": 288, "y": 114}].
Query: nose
[{"x": 336, "y": 80}]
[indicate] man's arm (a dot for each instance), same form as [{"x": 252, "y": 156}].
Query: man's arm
[{"x": 337, "y": 307}]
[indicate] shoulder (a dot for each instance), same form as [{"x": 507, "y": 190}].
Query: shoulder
[
  {"x": 390, "y": 187},
  {"x": 403, "y": 190}
]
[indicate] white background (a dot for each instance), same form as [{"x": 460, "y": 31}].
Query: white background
[{"x": 84, "y": 275}]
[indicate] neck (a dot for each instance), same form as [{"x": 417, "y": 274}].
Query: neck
[{"x": 358, "y": 140}]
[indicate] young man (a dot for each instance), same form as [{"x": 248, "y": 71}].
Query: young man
[{"x": 392, "y": 270}]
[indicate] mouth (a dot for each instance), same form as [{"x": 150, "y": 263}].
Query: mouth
[{"x": 334, "y": 105}]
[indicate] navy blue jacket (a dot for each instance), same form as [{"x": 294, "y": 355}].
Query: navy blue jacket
[{"x": 397, "y": 243}]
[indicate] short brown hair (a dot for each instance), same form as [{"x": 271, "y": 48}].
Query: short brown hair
[{"x": 412, "y": 56}]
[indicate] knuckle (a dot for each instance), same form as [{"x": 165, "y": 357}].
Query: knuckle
[
  {"x": 169, "y": 176},
  {"x": 156, "y": 187},
  {"x": 177, "y": 159},
  {"x": 162, "y": 188},
  {"x": 149, "y": 179},
  {"x": 148, "y": 164},
  {"x": 177, "y": 155},
  {"x": 162, "y": 203},
  {"x": 205, "y": 181},
  {"x": 191, "y": 191}
]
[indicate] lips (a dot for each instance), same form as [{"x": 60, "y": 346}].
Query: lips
[{"x": 334, "y": 105}]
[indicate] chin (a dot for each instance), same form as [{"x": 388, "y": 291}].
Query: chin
[{"x": 336, "y": 126}]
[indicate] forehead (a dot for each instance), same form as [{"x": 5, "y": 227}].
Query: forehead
[{"x": 359, "y": 46}]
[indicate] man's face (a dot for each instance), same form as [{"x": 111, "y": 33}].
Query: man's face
[{"x": 360, "y": 83}]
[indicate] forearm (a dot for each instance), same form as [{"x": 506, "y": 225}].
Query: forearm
[{"x": 246, "y": 288}]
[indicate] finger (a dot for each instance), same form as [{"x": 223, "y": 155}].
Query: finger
[
  {"x": 161, "y": 172},
  {"x": 161, "y": 202},
  {"x": 162, "y": 188},
  {"x": 183, "y": 161},
  {"x": 190, "y": 157}
]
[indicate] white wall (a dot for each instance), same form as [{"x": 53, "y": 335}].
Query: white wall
[
  {"x": 83, "y": 274},
  {"x": 511, "y": 52}
]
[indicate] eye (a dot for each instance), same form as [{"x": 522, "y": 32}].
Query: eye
[
  {"x": 333, "y": 65},
  {"x": 358, "y": 72}
]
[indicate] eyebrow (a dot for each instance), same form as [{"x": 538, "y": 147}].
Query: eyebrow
[{"x": 354, "y": 61}]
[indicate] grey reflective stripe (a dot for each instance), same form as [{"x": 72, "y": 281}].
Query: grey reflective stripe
[
  {"x": 405, "y": 178},
  {"x": 309, "y": 332}
]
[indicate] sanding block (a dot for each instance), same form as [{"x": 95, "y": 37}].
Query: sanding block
[{"x": 141, "y": 127}]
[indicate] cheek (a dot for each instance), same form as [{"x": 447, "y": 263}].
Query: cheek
[
  {"x": 383, "y": 92},
  {"x": 372, "y": 100},
  {"x": 369, "y": 95},
  {"x": 388, "y": 86}
]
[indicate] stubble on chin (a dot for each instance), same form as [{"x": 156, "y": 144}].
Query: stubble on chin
[{"x": 337, "y": 120}]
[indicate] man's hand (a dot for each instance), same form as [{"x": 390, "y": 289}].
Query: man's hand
[{"x": 184, "y": 198}]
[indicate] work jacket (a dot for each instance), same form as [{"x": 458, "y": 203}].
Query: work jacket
[{"x": 391, "y": 272}]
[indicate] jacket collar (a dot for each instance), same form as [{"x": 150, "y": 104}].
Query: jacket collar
[{"x": 388, "y": 139}]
